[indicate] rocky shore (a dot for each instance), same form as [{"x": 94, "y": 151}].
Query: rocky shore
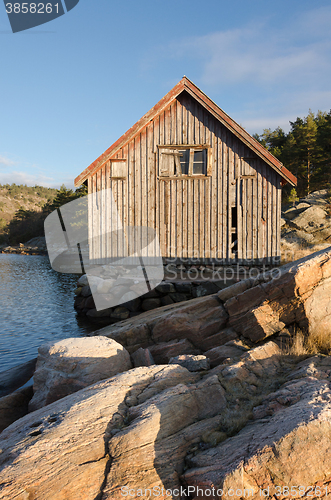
[
  {"x": 35, "y": 246},
  {"x": 189, "y": 400}
]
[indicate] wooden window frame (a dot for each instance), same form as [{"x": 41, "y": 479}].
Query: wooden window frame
[{"x": 192, "y": 147}]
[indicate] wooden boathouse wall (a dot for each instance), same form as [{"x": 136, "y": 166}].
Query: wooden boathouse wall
[{"x": 231, "y": 214}]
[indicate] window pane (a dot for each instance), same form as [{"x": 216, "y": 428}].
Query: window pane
[
  {"x": 199, "y": 162},
  {"x": 184, "y": 160}
]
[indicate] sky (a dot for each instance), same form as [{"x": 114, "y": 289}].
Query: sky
[{"x": 73, "y": 86}]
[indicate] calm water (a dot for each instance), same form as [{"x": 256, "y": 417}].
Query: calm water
[{"x": 36, "y": 306}]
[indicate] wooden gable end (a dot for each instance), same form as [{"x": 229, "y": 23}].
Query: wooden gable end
[{"x": 232, "y": 213}]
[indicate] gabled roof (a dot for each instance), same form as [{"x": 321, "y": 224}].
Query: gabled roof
[{"x": 209, "y": 105}]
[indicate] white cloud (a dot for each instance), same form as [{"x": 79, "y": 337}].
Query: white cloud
[
  {"x": 6, "y": 162},
  {"x": 267, "y": 74},
  {"x": 28, "y": 179},
  {"x": 259, "y": 55}
]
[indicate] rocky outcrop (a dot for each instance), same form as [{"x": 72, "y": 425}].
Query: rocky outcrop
[
  {"x": 261, "y": 422},
  {"x": 280, "y": 454},
  {"x": 308, "y": 223},
  {"x": 253, "y": 309},
  {"x": 69, "y": 365},
  {"x": 35, "y": 246},
  {"x": 142, "y": 420}
]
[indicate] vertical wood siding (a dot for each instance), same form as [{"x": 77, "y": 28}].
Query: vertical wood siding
[{"x": 192, "y": 217}]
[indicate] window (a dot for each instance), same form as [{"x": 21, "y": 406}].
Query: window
[
  {"x": 182, "y": 161},
  {"x": 118, "y": 169}
]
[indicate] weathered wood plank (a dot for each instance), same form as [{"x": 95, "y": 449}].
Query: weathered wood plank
[
  {"x": 269, "y": 222},
  {"x": 279, "y": 208},
  {"x": 144, "y": 178}
]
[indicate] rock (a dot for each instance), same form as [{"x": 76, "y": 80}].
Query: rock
[
  {"x": 178, "y": 297},
  {"x": 259, "y": 323},
  {"x": 165, "y": 288},
  {"x": 218, "y": 354},
  {"x": 86, "y": 291},
  {"x": 302, "y": 205},
  {"x": 125, "y": 281},
  {"x": 104, "y": 313},
  {"x": 317, "y": 197},
  {"x": 311, "y": 219},
  {"x": 68, "y": 365},
  {"x": 120, "y": 312},
  {"x": 196, "y": 320},
  {"x": 133, "y": 430},
  {"x": 184, "y": 288},
  {"x": 149, "y": 304},
  {"x": 233, "y": 290},
  {"x": 219, "y": 339},
  {"x": 267, "y": 355},
  {"x": 131, "y": 301},
  {"x": 205, "y": 289},
  {"x": 152, "y": 294},
  {"x": 163, "y": 351},
  {"x": 129, "y": 333},
  {"x": 106, "y": 285},
  {"x": 290, "y": 449},
  {"x": 142, "y": 357},
  {"x": 14, "y": 406},
  {"x": 190, "y": 362},
  {"x": 89, "y": 302},
  {"x": 119, "y": 290},
  {"x": 166, "y": 300},
  {"x": 318, "y": 308},
  {"x": 15, "y": 377},
  {"x": 79, "y": 303},
  {"x": 83, "y": 281}
]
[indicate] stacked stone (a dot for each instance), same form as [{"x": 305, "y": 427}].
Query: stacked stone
[{"x": 131, "y": 303}]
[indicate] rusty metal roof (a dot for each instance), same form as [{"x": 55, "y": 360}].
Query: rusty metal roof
[{"x": 209, "y": 105}]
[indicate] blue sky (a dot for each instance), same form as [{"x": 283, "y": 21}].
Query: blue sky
[{"x": 71, "y": 87}]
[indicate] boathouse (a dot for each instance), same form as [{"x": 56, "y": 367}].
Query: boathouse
[{"x": 186, "y": 169}]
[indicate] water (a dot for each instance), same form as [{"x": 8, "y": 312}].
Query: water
[{"x": 36, "y": 306}]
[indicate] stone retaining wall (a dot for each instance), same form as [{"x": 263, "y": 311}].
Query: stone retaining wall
[{"x": 166, "y": 293}]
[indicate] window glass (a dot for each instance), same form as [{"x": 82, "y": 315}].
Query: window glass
[
  {"x": 184, "y": 159},
  {"x": 199, "y": 162}
]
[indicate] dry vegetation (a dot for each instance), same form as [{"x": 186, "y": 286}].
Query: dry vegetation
[
  {"x": 291, "y": 251},
  {"x": 315, "y": 343}
]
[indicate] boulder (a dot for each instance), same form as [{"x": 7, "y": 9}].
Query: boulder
[
  {"x": 163, "y": 351},
  {"x": 68, "y": 365},
  {"x": 311, "y": 219},
  {"x": 15, "y": 377},
  {"x": 149, "y": 304},
  {"x": 14, "y": 406},
  {"x": 133, "y": 430},
  {"x": 165, "y": 287},
  {"x": 218, "y": 354},
  {"x": 142, "y": 357},
  {"x": 191, "y": 362}
]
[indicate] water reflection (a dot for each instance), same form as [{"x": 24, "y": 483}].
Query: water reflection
[{"x": 36, "y": 306}]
